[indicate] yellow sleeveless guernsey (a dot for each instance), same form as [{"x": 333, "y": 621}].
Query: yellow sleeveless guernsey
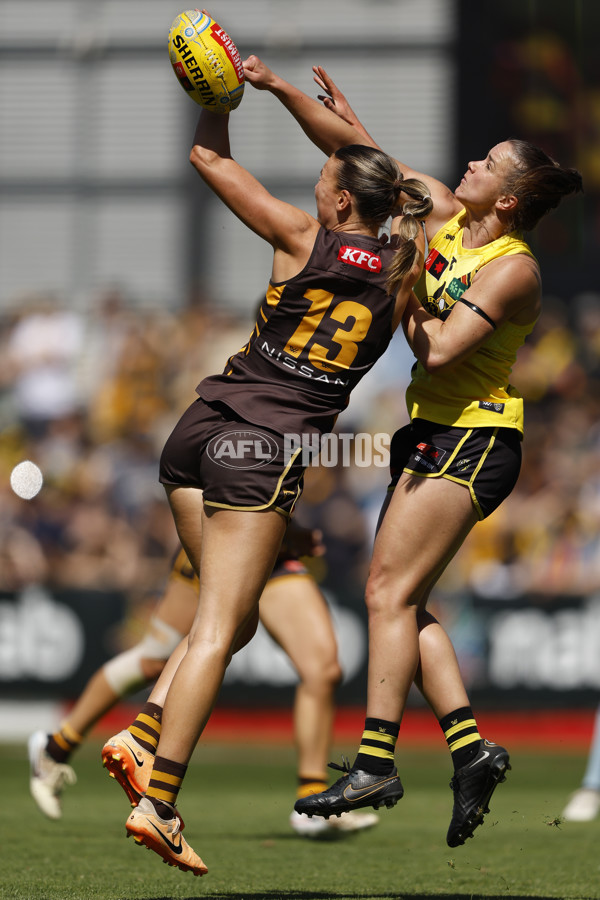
[{"x": 475, "y": 393}]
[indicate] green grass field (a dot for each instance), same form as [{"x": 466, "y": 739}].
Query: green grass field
[{"x": 236, "y": 802}]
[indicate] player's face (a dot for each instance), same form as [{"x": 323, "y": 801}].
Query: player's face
[
  {"x": 327, "y": 193},
  {"x": 483, "y": 182}
]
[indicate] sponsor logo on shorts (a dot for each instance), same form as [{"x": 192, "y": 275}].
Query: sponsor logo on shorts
[
  {"x": 492, "y": 407},
  {"x": 462, "y": 465},
  {"x": 429, "y": 455},
  {"x": 242, "y": 449}
]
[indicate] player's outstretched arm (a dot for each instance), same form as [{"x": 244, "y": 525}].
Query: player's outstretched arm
[
  {"x": 325, "y": 129},
  {"x": 280, "y": 224},
  {"x": 445, "y": 204},
  {"x": 333, "y": 124}
]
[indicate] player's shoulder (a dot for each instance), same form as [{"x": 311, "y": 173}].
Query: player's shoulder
[
  {"x": 520, "y": 266},
  {"x": 516, "y": 283}
]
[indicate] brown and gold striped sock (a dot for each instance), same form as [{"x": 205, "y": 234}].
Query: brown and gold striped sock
[
  {"x": 63, "y": 742},
  {"x": 164, "y": 785},
  {"x": 146, "y": 727}
]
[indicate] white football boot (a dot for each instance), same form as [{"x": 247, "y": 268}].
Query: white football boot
[{"x": 47, "y": 777}]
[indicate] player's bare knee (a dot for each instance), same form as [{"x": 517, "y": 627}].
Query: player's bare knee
[
  {"x": 389, "y": 596},
  {"x": 322, "y": 677}
]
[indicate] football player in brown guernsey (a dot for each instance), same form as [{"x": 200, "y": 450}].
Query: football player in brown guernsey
[
  {"x": 295, "y": 614},
  {"x": 478, "y": 298},
  {"x": 336, "y": 292}
]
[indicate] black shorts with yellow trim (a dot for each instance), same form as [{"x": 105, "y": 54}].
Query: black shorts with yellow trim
[
  {"x": 236, "y": 464},
  {"x": 285, "y": 565},
  {"x": 487, "y": 461}
]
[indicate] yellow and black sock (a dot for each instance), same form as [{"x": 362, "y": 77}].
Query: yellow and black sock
[
  {"x": 146, "y": 727},
  {"x": 462, "y": 736},
  {"x": 62, "y": 743},
  {"x": 310, "y": 785},
  {"x": 164, "y": 784},
  {"x": 376, "y": 751}
]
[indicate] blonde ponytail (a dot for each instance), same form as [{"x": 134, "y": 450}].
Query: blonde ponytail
[{"x": 414, "y": 211}]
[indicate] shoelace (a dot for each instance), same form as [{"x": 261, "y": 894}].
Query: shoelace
[
  {"x": 59, "y": 774},
  {"x": 179, "y": 823},
  {"x": 345, "y": 767}
]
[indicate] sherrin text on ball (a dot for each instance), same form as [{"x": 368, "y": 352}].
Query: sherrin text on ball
[{"x": 206, "y": 61}]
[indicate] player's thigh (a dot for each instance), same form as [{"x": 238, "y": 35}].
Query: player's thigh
[
  {"x": 187, "y": 506},
  {"x": 425, "y": 523},
  {"x": 239, "y": 550}
]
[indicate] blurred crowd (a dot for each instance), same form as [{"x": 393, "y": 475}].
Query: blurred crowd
[{"x": 91, "y": 397}]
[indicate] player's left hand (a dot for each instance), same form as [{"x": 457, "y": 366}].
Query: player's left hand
[{"x": 333, "y": 98}]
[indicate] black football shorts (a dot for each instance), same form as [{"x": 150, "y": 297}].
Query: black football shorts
[
  {"x": 237, "y": 465},
  {"x": 486, "y": 460}
]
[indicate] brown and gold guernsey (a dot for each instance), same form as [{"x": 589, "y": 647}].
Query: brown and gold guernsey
[{"x": 315, "y": 337}]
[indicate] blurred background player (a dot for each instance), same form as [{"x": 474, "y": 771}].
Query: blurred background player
[
  {"x": 584, "y": 803},
  {"x": 294, "y": 613}
]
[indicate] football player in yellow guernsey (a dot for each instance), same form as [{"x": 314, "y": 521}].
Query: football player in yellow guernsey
[
  {"x": 477, "y": 300},
  {"x": 295, "y": 614}
]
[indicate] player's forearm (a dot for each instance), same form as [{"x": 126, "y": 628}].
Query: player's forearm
[
  {"x": 441, "y": 344},
  {"x": 423, "y": 333},
  {"x": 211, "y": 138},
  {"x": 324, "y": 128}
]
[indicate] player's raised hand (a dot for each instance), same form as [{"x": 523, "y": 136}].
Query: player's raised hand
[
  {"x": 259, "y": 75},
  {"x": 333, "y": 98}
]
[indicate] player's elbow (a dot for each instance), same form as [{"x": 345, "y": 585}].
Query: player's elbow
[
  {"x": 202, "y": 158},
  {"x": 436, "y": 362}
]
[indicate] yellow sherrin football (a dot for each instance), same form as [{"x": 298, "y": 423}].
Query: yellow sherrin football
[{"x": 206, "y": 61}]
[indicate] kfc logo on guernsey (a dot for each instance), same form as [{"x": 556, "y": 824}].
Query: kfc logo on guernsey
[
  {"x": 436, "y": 264},
  {"x": 360, "y": 258}
]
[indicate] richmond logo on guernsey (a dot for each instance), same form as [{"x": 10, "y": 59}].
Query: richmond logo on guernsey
[{"x": 361, "y": 258}]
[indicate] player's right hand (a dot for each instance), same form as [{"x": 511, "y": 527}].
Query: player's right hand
[{"x": 259, "y": 75}]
